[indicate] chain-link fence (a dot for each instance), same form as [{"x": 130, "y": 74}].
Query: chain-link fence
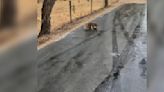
[{"x": 65, "y": 11}]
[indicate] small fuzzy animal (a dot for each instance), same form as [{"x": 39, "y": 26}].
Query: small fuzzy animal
[{"x": 91, "y": 27}]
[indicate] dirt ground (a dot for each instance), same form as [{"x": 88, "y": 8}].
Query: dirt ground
[{"x": 60, "y": 13}]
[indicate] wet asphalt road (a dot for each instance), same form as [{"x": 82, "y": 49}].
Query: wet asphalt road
[
  {"x": 83, "y": 59},
  {"x": 133, "y": 76}
]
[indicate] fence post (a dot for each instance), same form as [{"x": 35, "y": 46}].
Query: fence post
[
  {"x": 91, "y": 5},
  {"x": 70, "y": 10}
]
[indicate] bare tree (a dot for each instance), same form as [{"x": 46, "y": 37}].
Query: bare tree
[
  {"x": 105, "y": 3},
  {"x": 8, "y": 13},
  {"x": 46, "y": 12}
]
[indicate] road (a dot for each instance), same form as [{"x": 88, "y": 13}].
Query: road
[
  {"x": 83, "y": 59},
  {"x": 132, "y": 77}
]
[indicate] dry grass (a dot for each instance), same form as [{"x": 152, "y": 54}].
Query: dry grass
[{"x": 60, "y": 13}]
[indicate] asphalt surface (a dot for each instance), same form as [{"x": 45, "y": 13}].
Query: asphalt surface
[
  {"x": 132, "y": 76},
  {"x": 83, "y": 59}
]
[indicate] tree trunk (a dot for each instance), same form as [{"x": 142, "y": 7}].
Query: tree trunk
[
  {"x": 8, "y": 13},
  {"x": 46, "y": 12},
  {"x": 106, "y": 3}
]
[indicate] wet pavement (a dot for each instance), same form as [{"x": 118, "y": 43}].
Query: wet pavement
[
  {"x": 132, "y": 77},
  {"x": 83, "y": 59}
]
